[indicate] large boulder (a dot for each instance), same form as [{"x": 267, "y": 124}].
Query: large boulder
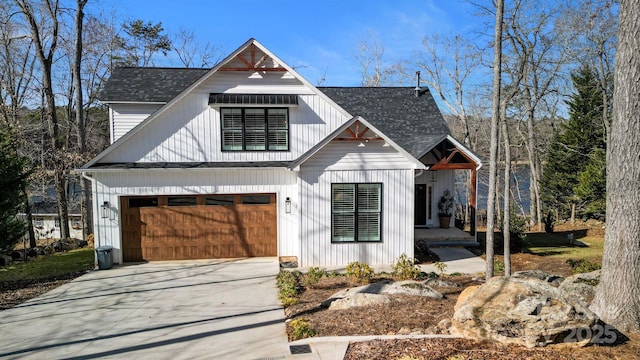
[
  {"x": 378, "y": 293},
  {"x": 359, "y": 299},
  {"x": 529, "y": 311},
  {"x": 582, "y": 286},
  {"x": 411, "y": 288}
]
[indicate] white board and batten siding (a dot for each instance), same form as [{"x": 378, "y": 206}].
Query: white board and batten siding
[
  {"x": 124, "y": 117},
  {"x": 346, "y": 162},
  {"x": 397, "y": 218},
  {"x": 190, "y": 131},
  {"x": 110, "y": 186}
]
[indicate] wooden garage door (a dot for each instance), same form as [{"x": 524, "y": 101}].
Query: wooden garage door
[{"x": 198, "y": 227}]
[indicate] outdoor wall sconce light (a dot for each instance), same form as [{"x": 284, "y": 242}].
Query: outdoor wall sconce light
[
  {"x": 105, "y": 210},
  {"x": 287, "y": 205}
]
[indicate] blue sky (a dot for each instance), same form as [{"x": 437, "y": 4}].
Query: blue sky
[{"x": 316, "y": 36}]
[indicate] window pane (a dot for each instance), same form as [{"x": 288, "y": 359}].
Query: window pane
[
  {"x": 254, "y": 119},
  {"x": 143, "y": 202},
  {"x": 343, "y": 198},
  {"x": 278, "y": 139},
  {"x": 231, "y": 118},
  {"x": 255, "y": 140},
  {"x": 368, "y": 226},
  {"x": 256, "y": 199},
  {"x": 231, "y": 139},
  {"x": 343, "y": 227},
  {"x": 277, "y": 119},
  {"x": 181, "y": 201},
  {"x": 223, "y": 200},
  {"x": 369, "y": 197}
]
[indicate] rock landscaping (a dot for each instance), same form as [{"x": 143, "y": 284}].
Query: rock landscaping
[{"x": 528, "y": 308}]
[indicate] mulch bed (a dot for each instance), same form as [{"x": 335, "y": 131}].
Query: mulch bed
[
  {"x": 16, "y": 292},
  {"x": 406, "y": 314}
]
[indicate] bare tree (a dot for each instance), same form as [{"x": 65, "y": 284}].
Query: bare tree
[
  {"x": 45, "y": 45},
  {"x": 529, "y": 30},
  {"x": 495, "y": 114},
  {"x": 370, "y": 57},
  {"x": 617, "y": 299},
  {"x": 448, "y": 64},
  {"x": 16, "y": 75},
  {"x": 587, "y": 29},
  {"x": 193, "y": 53}
]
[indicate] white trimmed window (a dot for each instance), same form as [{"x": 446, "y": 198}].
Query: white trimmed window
[
  {"x": 255, "y": 129},
  {"x": 356, "y": 212}
]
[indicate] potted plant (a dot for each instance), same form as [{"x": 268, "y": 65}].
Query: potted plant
[{"x": 445, "y": 209}]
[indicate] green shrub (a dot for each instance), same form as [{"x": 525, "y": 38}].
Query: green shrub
[
  {"x": 313, "y": 276},
  {"x": 582, "y": 266},
  {"x": 498, "y": 265},
  {"x": 289, "y": 287},
  {"x": 300, "y": 329},
  {"x": 360, "y": 271},
  {"x": 335, "y": 273},
  {"x": 405, "y": 268},
  {"x": 441, "y": 267}
]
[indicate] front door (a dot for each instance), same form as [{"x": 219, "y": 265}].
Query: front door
[{"x": 420, "y": 205}]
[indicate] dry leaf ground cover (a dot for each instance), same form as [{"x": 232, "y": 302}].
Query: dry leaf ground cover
[{"x": 405, "y": 314}]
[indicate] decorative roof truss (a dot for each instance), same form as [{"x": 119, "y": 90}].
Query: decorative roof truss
[
  {"x": 450, "y": 157},
  {"x": 358, "y": 132},
  {"x": 253, "y": 59}
]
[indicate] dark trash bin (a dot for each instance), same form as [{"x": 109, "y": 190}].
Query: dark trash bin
[{"x": 105, "y": 257}]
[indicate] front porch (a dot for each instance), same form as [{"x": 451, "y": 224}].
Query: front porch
[{"x": 436, "y": 237}]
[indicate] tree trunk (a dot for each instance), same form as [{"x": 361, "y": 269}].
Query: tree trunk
[
  {"x": 617, "y": 299},
  {"x": 80, "y": 123},
  {"x": 495, "y": 114},
  {"x": 506, "y": 226},
  {"x": 46, "y": 61},
  {"x": 573, "y": 214},
  {"x": 27, "y": 211}
]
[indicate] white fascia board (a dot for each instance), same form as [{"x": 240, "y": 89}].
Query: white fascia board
[
  {"x": 306, "y": 156},
  {"x": 107, "y": 170},
  {"x": 134, "y": 102},
  {"x": 466, "y": 151}
]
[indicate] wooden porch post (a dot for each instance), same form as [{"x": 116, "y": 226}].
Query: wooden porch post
[{"x": 472, "y": 202}]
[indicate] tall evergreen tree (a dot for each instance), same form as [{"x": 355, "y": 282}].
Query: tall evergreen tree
[
  {"x": 13, "y": 177},
  {"x": 575, "y": 146}
]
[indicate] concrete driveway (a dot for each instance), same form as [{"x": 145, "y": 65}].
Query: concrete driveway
[{"x": 164, "y": 310}]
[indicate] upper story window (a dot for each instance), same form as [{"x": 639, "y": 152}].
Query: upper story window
[{"x": 255, "y": 129}]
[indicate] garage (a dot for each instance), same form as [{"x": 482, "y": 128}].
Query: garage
[{"x": 181, "y": 227}]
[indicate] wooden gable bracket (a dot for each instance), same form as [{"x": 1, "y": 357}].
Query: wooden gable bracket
[
  {"x": 253, "y": 65},
  {"x": 358, "y": 135},
  {"x": 445, "y": 162}
]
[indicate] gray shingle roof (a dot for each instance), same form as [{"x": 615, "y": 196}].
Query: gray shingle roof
[
  {"x": 144, "y": 84},
  {"x": 414, "y": 123}
]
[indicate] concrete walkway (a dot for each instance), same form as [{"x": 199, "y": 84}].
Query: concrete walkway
[
  {"x": 172, "y": 310},
  {"x": 458, "y": 260}
]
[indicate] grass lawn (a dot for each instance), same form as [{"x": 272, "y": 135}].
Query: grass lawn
[
  {"x": 557, "y": 245},
  {"x": 59, "y": 265}
]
